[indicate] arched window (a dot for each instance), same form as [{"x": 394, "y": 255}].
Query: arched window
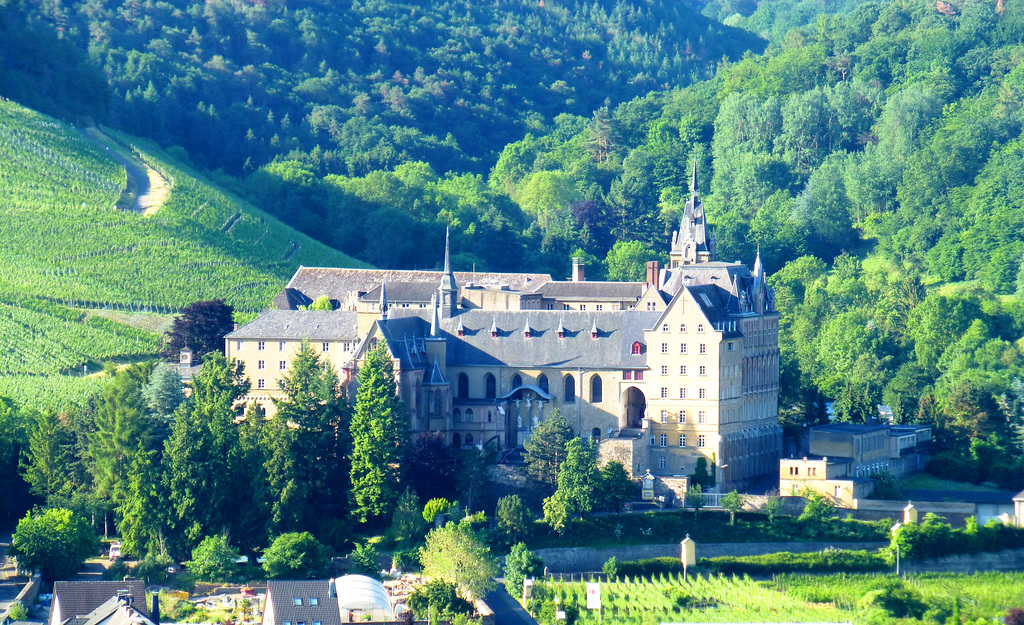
[
  {"x": 542, "y": 382},
  {"x": 469, "y": 440},
  {"x": 664, "y": 327},
  {"x": 456, "y": 441},
  {"x": 636, "y": 348},
  {"x": 570, "y": 389},
  {"x": 489, "y": 387},
  {"x": 700, "y": 327},
  {"x": 457, "y": 415},
  {"x": 463, "y": 390},
  {"x": 469, "y": 418},
  {"x": 517, "y": 381},
  {"x": 596, "y": 390},
  {"x": 596, "y": 433},
  {"x": 682, "y": 327}
]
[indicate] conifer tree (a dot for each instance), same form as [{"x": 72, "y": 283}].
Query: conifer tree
[
  {"x": 309, "y": 445},
  {"x": 545, "y": 451},
  {"x": 379, "y": 428}
]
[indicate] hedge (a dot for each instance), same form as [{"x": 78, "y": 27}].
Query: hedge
[{"x": 829, "y": 560}]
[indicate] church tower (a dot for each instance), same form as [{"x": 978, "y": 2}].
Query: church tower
[
  {"x": 448, "y": 291},
  {"x": 693, "y": 242}
]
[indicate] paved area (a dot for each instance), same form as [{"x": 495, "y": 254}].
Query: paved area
[
  {"x": 10, "y": 583},
  {"x": 507, "y": 610}
]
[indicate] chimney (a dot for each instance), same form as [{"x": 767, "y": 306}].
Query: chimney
[
  {"x": 654, "y": 274},
  {"x": 236, "y": 326},
  {"x": 577, "y": 269},
  {"x": 154, "y": 614}
]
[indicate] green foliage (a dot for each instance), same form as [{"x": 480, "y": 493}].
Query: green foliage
[
  {"x": 933, "y": 538},
  {"x": 520, "y": 563},
  {"x": 694, "y": 498},
  {"x": 887, "y": 486},
  {"x": 616, "y": 488},
  {"x": 378, "y": 433},
  {"x": 818, "y": 507},
  {"x": 733, "y": 502},
  {"x": 611, "y": 567},
  {"x": 365, "y": 559},
  {"x": 213, "y": 559},
  {"x": 546, "y": 449},
  {"x": 322, "y": 302},
  {"x": 455, "y": 554},
  {"x": 17, "y": 612},
  {"x": 829, "y": 560},
  {"x": 434, "y": 507},
  {"x": 895, "y": 599},
  {"x": 438, "y": 599},
  {"x": 407, "y": 522},
  {"x": 54, "y": 543},
  {"x": 514, "y": 518},
  {"x": 296, "y": 556},
  {"x": 627, "y": 261}
]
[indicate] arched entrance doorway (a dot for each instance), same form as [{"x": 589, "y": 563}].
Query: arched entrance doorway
[{"x": 634, "y": 407}]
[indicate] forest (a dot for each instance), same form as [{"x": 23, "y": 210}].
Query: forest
[{"x": 871, "y": 150}]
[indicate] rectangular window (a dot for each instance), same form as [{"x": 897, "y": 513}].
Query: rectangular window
[
  {"x": 664, "y": 440},
  {"x": 682, "y": 440},
  {"x": 238, "y": 345},
  {"x": 262, "y": 345},
  {"x": 664, "y": 369},
  {"x": 664, "y": 416},
  {"x": 297, "y": 601},
  {"x": 282, "y": 365},
  {"x": 664, "y": 348},
  {"x": 702, "y": 370},
  {"x": 662, "y": 463},
  {"x": 702, "y": 393},
  {"x": 638, "y": 375},
  {"x": 627, "y": 375},
  {"x": 550, "y": 307},
  {"x": 682, "y": 369},
  {"x": 325, "y": 346},
  {"x": 280, "y": 346},
  {"x": 565, "y": 307},
  {"x": 701, "y": 439},
  {"x": 703, "y": 348},
  {"x": 583, "y": 306},
  {"x": 664, "y": 392},
  {"x": 682, "y": 416},
  {"x": 652, "y": 440},
  {"x": 682, "y": 348},
  {"x": 261, "y": 364},
  {"x": 261, "y": 384},
  {"x": 599, "y": 307},
  {"x": 314, "y": 601},
  {"x": 731, "y": 346},
  {"x": 682, "y": 393},
  {"x": 702, "y": 416}
]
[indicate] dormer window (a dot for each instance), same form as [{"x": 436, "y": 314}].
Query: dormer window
[
  {"x": 561, "y": 334},
  {"x": 700, "y": 327},
  {"x": 637, "y": 348},
  {"x": 664, "y": 327}
]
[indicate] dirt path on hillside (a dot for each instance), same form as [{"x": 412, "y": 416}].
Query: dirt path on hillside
[{"x": 148, "y": 186}]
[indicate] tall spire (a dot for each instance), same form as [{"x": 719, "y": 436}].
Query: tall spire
[
  {"x": 693, "y": 182},
  {"x": 758, "y": 268},
  {"x": 448, "y": 290},
  {"x": 383, "y": 301},
  {"x": 434, "y": 323}
]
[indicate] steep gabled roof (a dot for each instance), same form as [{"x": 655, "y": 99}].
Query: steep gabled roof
[
  {"x": 283, "y": 596},
  {"x": 75, "y": 599}
]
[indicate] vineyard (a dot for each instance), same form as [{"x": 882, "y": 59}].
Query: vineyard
[
  {"x": 792, "y": 598},
  {"x": 64, "y": 247}
]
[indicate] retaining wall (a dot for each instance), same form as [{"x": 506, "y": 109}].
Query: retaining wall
[
  {"x": 26, "y": 597},
  {"x": 1009, "y": 560},
  {"x": 586, "y": 559}
]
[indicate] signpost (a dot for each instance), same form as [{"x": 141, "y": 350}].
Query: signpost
[{"x": 594, "y": 598}]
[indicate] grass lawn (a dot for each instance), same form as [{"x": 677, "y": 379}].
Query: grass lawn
[{"x": 927, "y": 481}]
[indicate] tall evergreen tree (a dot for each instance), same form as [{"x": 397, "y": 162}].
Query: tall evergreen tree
[
  {"x": 545, "y": 451},
  {"x": 50, "y": 456},
  {"x": 379, "y": 429},
  {"x": 14, "y": 497},
  {"x": 309, "y": 444},
  {"x": 204, "y": 440}
]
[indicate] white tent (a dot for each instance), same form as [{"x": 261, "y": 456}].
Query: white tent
[{"x": 359, "y": 596}]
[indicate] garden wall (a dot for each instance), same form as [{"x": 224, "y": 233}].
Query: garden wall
[
  {"x": 954, "y": 512},
  {"x": 585, "y": 559},
  {"x": 1009, "y": 560}
]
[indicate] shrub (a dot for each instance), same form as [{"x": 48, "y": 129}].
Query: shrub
[
  {"x": 1015, "y": 616},
  {"x": 442, "y": 597},
  {"x": 365, "y": 559},
  {"x": 434, "y": 507},
  {"x": 18, "y": 612},
  {"x": 152, "y": 568},
  {"x": 837, "y": 560},
  {"x": 896, "y": 599},
  {"x": 296, "y": 556},
  {"x": 117, "y": 571},
  {"x": 649, "y": 567},
  {"x": 520, "y": 564},
  {"x": 407, "y": 560},
  {"x": 213, "y": 559},
  {"x": 55, "y": 543},
  {"x": 611, "y": 567},
  {"x": 934, "y": 538}
]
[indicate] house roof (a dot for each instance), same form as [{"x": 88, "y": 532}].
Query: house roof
[
  {"x": 848, "y": 428},
  {"x": 338, "y": 282},
  {"x": 114, "y": 611},
  {"x": 403, "y": 292},
  {"x": 75, "y": 599},
  {"x": 315, "y": 325},
  {"x": 1019, "y": 496},
  {"x": 283, "y": 594},
  {"x": 589, "y": 290}
]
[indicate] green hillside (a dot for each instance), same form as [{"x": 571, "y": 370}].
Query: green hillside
[{"x": 65, "y": 248}]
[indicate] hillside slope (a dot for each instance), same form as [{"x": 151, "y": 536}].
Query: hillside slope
[{"x": 64, "y": 248}]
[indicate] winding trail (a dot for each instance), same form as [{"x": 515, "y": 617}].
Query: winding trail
[{"x": 150, "y": 187}]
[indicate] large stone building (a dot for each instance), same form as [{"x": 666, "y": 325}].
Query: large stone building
[{"x": 681, "y": 366}]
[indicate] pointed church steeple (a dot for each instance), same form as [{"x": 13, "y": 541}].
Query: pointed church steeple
[
  {"x": 448, "y": 289},
  {"x": 758, "y": 268},
  {"x": 435, "y": 325},
  {"x": 693, "y": 180},
  {"x": 383, "y": 300},
  {"x": 693, "y": 242}
]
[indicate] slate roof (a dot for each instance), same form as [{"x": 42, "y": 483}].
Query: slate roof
[
  {"x": 404, "y": 292},
  {"x": 589, "y": 290},
  {"x": 1019, "y": 496},
  {"x": 114, "y": 611},
  {"x": 290, "y": 299},
  {"x": 617, "y": 330},
  {"x": 849, "y": 428},
  {"x": 338, "y": 283},
  {"x": 283, "y": 593},
  {"x": 717, "y": 273},
  {"x": 80, "y": 598},
  {"x": 315, "y": 325}
]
